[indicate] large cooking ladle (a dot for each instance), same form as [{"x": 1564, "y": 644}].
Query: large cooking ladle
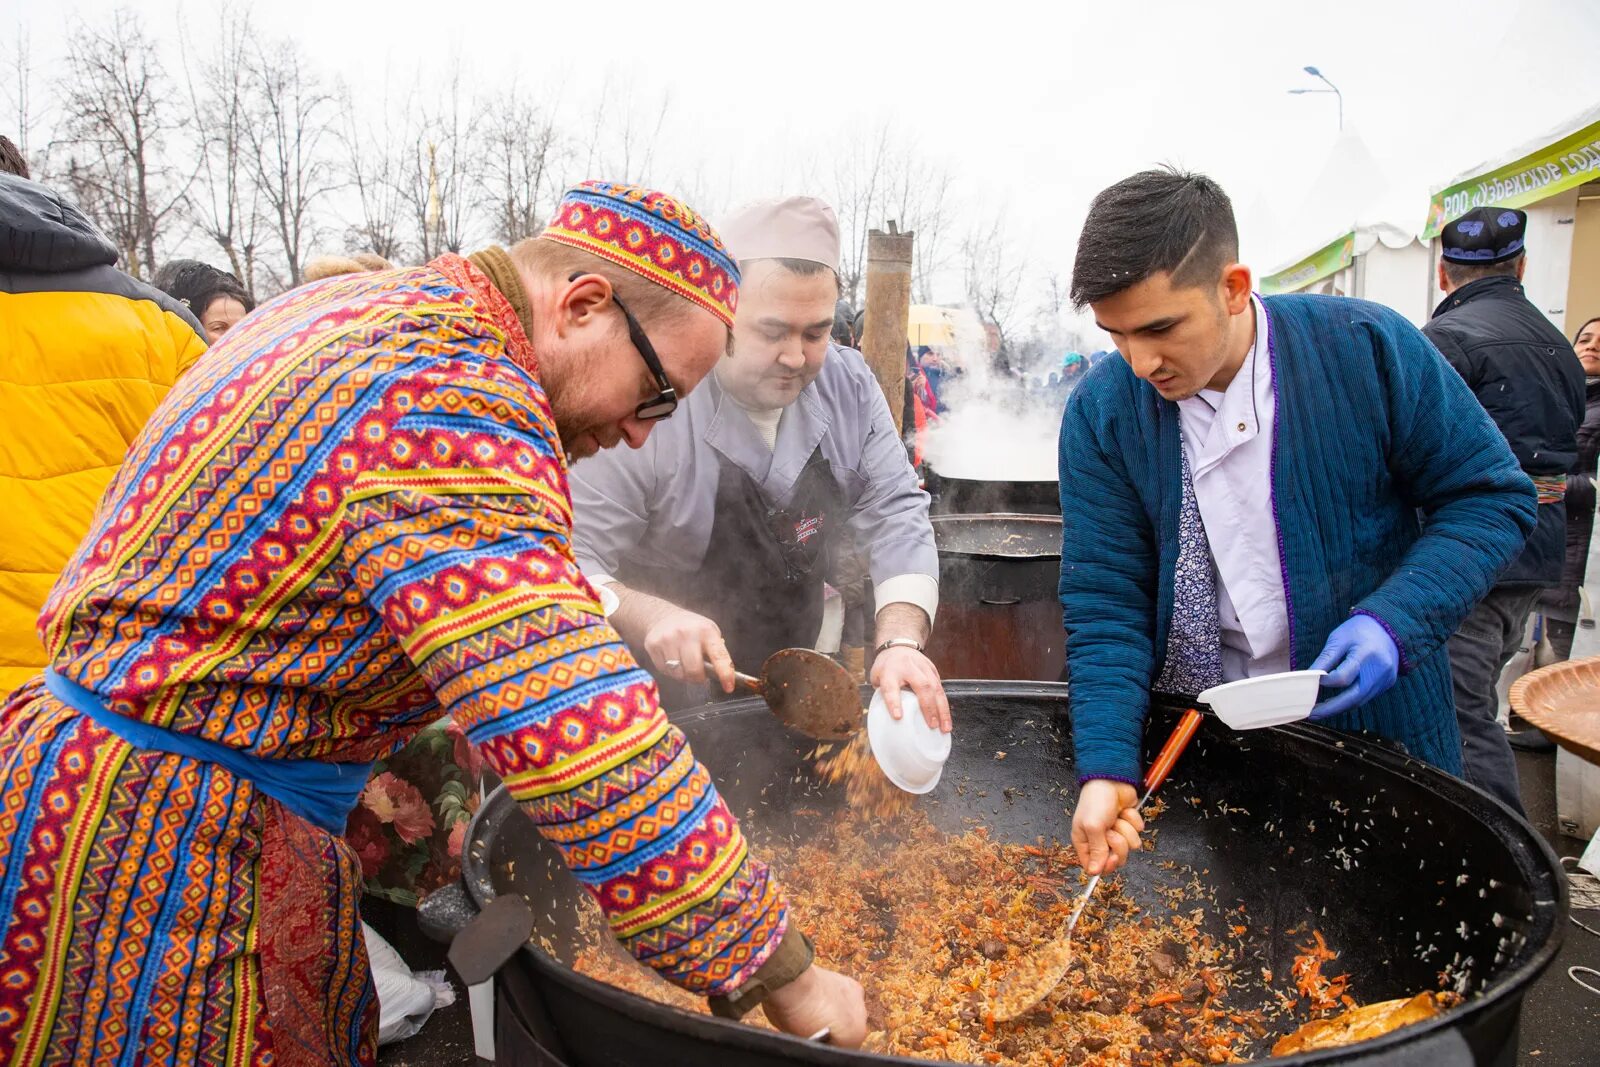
[
  {"x": 808, "y": 692},
  {"x": 1043, "y": 972}
]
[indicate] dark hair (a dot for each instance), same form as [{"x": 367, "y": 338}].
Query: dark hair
[
  {"x": 198, "y": 284},
  {"x": 1583, "y": 326},
  {"x": 11, "y": 161},
  {"x": 1459, "y": 274},
  {"x": 1158, "y": 221},
  {"x": 843, "y": 333}
]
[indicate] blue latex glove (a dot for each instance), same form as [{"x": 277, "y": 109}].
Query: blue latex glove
[{"x": 1361, "y": 660}]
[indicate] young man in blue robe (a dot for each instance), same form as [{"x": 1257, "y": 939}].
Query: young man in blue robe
[{"x": 1240, "y": 495}]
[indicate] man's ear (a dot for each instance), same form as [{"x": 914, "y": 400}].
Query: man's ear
[
  {"x": 585, "y": 297},
  {"x": 1236, "y": 283},
  {"x": 1522, "y": 266},
  {"x": 1444, "y": 282}
]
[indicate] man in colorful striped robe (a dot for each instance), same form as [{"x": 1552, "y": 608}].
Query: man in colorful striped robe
[{"x": 350, "y": 518}]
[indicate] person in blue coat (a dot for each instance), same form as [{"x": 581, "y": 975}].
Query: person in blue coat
[{"x": 1260, "y": 485}]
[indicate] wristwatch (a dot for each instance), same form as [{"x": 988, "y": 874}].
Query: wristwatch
[
  {"x": 787, "y": 962},
  {"x": 901, "y": 642}
]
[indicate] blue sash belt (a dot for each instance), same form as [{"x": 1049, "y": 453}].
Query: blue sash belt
[{"x": 321, "y": 793}]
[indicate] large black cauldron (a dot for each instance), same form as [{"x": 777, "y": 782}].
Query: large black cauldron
[{"x": 1405, "y": 869}]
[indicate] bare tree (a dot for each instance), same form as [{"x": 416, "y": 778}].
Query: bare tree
[
  {"x": 118, "y": 117},
  {"x": 917, "y": 193},
  {"x": 373, "y": 156},
  {"x": 19, "y": 94},
  {"x": 877, "y": 178},
  {"x": 222, "y": 98},
  {"x": 288, "y": 159},
  {"x": 441, "y": 174},
  {"x": 859, "y": 177},
  {"x": 1056, "y": 300},
  {"x": 993, "y": 273},
  {"x": 624, "y": 134},
  {"x": 522, "y": 151}
]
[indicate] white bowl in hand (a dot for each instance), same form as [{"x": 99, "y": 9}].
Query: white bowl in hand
[
  {"x": 1268, "y": 700},
  {"x": 911, "y": 753}
]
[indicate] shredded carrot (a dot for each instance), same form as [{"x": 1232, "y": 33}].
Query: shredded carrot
[
  {"x": 1164, "y": 998},
  {"x": 1323, "y": 992}
]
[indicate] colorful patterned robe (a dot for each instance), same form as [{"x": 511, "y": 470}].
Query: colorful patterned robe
[{"x": 349, "y": 518}]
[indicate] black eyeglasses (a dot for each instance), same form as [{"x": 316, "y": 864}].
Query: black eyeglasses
[{"x": 665, "y": 402}]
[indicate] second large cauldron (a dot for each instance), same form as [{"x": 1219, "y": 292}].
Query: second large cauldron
[
  {"x": 999, "y": 614},
  {"x": 1406, "y": 870}
]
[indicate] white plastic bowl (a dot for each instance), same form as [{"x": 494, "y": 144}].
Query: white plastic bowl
[
  {"x": 911, "y": 753},
  {"x": 1270, "y": 700}
]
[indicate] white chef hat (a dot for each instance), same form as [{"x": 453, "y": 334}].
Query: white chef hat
[{"x": 795, "y": 227}]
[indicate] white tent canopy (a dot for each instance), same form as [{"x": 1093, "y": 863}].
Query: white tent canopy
[
  {"x": 1532, "y": 145},
  {"x": 1367, "y": 226}
]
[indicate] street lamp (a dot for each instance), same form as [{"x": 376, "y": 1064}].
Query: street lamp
[{"x": 1331, "y": 88}]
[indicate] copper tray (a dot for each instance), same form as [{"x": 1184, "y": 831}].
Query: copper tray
[{"x": 1563, "y": 700}]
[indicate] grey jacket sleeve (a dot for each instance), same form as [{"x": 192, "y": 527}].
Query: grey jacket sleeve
[
  {"x": 890, "y": 513},
  {"x": 611, "y": 495}
]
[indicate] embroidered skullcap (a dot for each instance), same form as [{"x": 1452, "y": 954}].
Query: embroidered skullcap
[
  {"x": 1485, "y": 235},
  {"x": 796, "y": 227},
  {"x": 652, "y": 235}
]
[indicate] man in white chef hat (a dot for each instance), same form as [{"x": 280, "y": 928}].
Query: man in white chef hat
[{"x": 717, "y": 533}]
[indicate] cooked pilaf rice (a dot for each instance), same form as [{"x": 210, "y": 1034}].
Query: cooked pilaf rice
[{"x": 932, "y": 924}]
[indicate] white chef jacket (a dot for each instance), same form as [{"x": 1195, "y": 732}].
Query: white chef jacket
[
  {"x": 654, "y": 505},
  {"x": 1227, "y": 437}
]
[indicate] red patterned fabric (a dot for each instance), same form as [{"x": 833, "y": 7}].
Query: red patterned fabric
[{"x": 349, "y": 520}]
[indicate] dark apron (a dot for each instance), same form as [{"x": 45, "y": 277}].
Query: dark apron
[{"x": 761, "y": 579}]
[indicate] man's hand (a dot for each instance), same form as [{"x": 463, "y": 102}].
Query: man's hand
[
  {"x": 680, "y": 643},
  {"x": 1361, "y": 659},
  {"x": 903, "y": 667},
  {"x": 819, "y": 999},
  {"x": 1106, "y": 824}
]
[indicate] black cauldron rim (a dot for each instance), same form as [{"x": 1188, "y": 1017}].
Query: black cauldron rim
[
  {"x": 1550, "y": 909},
  {"x": 1029, "y": 522}
]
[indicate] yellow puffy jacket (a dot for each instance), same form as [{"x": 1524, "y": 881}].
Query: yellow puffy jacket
[{"x": 86, "y": 354}]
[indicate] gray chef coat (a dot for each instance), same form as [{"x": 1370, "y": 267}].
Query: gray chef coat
[{"x": 654, "y": 506}]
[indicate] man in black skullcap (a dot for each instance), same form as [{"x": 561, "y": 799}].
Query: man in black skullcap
[{"x": 1529, "y": 381}]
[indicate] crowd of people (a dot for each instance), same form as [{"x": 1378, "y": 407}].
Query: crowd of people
[{"x": 256, "y": 550}]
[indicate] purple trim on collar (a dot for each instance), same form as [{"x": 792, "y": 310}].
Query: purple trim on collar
[
  {"x": 1082, "y": 778},
  {"x": 1272, "y": 473},
  {"x": 1405, "y": 660}
]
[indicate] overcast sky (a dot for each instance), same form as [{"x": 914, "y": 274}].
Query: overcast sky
[{"x": 1034, "y": 107}]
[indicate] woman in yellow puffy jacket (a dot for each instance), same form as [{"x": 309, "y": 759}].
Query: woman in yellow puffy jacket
[{"x": 86, "y": 354}]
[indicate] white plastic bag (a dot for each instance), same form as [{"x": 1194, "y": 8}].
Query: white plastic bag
[
  {"x": 1590, "y": 860},
  {"x": 405, "y": 1000}
]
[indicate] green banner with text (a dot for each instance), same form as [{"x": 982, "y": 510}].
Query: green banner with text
[
  {"x": 1331, "y": 258},
  {"x": 1571, "y": 161}
]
